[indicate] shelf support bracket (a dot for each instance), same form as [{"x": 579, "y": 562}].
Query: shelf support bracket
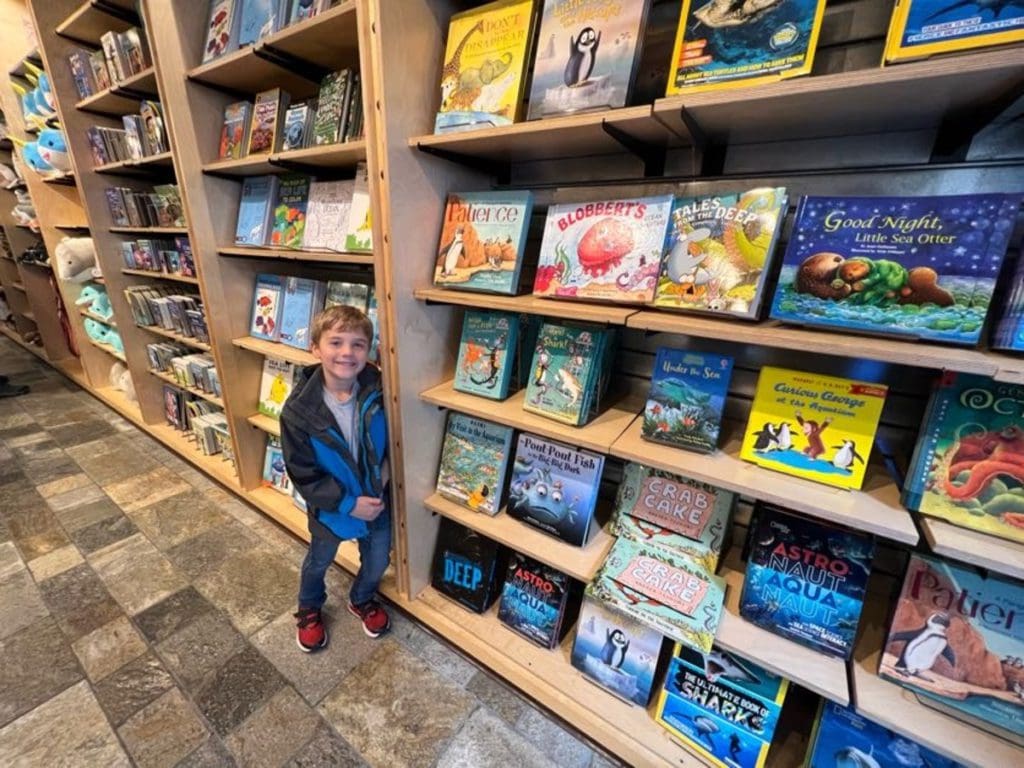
[
  {"x": 501, "y": 171},
  {"x": 651, "y": 155},
  {"x": 711, "y": 154},
  {"x": 280, "y": 58},
  {"x": 112, "y": 9}
]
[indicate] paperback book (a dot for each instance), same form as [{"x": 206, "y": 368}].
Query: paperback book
[
  {"x": 474, "y": 461},
  {"x": 303, "y": 300},
  {"x": 290, "y": 203},
  {"x": 468, "y": 568},
  {"x": 234, "y": 133},
  {"x": 1009, "y": 332},
  {"x": 922, "y": 28},
  {"x": 275, "y": 386},
  {"x": 359, "y": 232},
  {"x": 267, "y": 118},
  {"x": 566, "y": 372},
  {"x": 484, "y": 365},
  {"x": 534, "y": 600},
  {"x": 297, "y": 122},
  {"x": 327, "y": 215},
  {"x": 258, "y": 20},
  {"x": 274, "y": 473},
  {"x": 266, "y": 307},
  {"x": 330, "y": 105},
  {"x": 256, "y": 210}
]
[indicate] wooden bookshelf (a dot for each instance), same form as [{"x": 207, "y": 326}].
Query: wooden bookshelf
[
  {"x": 265, "y": 424},
  {"x": 160, "y": 276},
  {"x": 974, "y": 547},
  {"x": 174, "y": 335},
  {"x": 275, "y": 349},
  {"x": 93, "y": 18},
  {"x": 61, "y": 177},
  {"x": 242, "y": 71},
  {"x": 109, "y": 350},
  {"x": 144, "y": 164},
  {"x": 329, "y": 40},
  {"x": 149, "y": 230},
  {"x": 98, "y": 318},
  {"x": 200, "y": 393},
  {"x": 331, "y": 156},
  {"x": 122, "y": 98},
  {"x": 610, "y": 314},
  {"x": 298, "y": 254}
]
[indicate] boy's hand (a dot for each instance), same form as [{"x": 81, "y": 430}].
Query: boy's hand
[{"x": 367, "y": 508}]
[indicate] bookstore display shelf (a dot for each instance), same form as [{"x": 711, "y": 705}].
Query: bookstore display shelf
[
  {"x": 342, "y": 155},
  {"x": 598, "y": 435},
  {"x": 297, "y": 254},
  {"x": 66, "y": 178},
  {"x": 161, "y": 160},
  {"x": 974, "y": 547},
  {"x": 117, "y": 400},
  {"x": 92, "y": 19},
  {"x": 149, "y": 230},
  {"x": 98, "y": 318},
  {"x": 28, "y": 315},
  {"x": 328, "y": 40},
  {"x": 122, "y": 98},
  {"x": 875, "y": 509},
  {"x": 163, "y": 375},
  {"x": 109, "y": 350},
  {"x": 17, "y": 286},
  {"x": 245, "y": 71},
  {"x": 160, "y": 276},
  {"x": 265, "y": 424},
  {"x": 185, "y": 446},
  {"x": 579, "y": 562},
  {"x": 275, "y": 349},
  {"x": 177, "y": 337},
  {"x": 574, "y": 310}
]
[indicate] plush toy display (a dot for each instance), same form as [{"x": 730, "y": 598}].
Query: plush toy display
[
  {"x": 75, "y": 259},
  {"x": 54, "y": 149},
  {"x": 96, "y": 331},
  {"x": 122, "y": 380},
  {"x": 114, "y": 340},
  {"x": 95, "y": 299},
  {"x": 9, "y": 177},
  {"x": 30, "y": 154}
]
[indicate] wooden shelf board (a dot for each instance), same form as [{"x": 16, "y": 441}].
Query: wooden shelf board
[
  {"x": 149, "y": 230},
  {"x": 93, "y": 316},
  {"x": 275, "y": 349},
  {"x": 340, "y": 155},
  {"x": 598, "y": 435},
  {"x": 109, "y": 350},
  {"x": 28, "y": 315},
  {"x": 579, "y": 562},
  {"x": 875, "y": 509},
  {"x": 245, "y": 72},
  {"x": 974, "y": 547},
  {"x": 265, "y": 424},
  {"x": 164, "y": 376},
  {"x": 612, "y": 314},
  {"x": 328, "y": 40},
  {"x": 14, "y": 336},
  {"x": 250, "y": 165},
  {"x": 122, "y": 98},
  {"x": 17, "y": 286},
  {"x": 196, "y": 343},
  {"x": 19, "y": 70},
  {"x": 297, "y": 254},
  {"x": 117, "y": 400},
  {"x": 46, "y": 267},
  {"x": 161, "y": 160},
  {"x": 72, "y": 227},
  {"x": 61, "y": 177},
  {"x": 180, "y": 442},
  {"x": 160, "y": 276},
  {"x": 87, "y": 23}
]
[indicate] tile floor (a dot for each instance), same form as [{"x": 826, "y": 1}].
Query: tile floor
[{"x": 145, "y": 619}]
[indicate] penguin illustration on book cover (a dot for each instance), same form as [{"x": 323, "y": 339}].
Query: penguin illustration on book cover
[
  {"x": 846, "y": 455},
  {"x": 924, "y": 646},
  {"x": 767, "y": 440},
  {"x": 450, "y": 254},
  {"x": 615, "y": 647},
  {"x": 582, "y": 53}
]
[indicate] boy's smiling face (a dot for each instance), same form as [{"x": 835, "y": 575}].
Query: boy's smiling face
[{"x": 343, "y": 355}]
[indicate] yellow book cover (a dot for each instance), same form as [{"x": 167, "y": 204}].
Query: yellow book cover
[
  {"x": 923, "y": 28},
  {"x": 484, "y": 72},
  {"x": 726, "y": 44},
  {"x": 817, "y": 427}
]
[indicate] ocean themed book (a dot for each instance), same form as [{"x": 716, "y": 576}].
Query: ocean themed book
[
  {"x": 564, "y": 371},
  {"x": 266, "y": 307},
  {"x": 616, "y": 651},
  {"x": 721, "y": 706},
  {"x": 484, "y": 365},
  {"x": 586, "y": 56},
  {"x": 606, "y": 251},
  {"x": 255, "y": 210},
  {"x": 289, "y": 224},
  {"x": 674, "y": 512},
  {"x": 684, "y": 405},
  {"x": 720, "y": 44},
  {"x": 303, "y": 300},
  {"x": 234, "y": 132},
  {"x": 274, "y": 473},
  {"x": 922, "y": 28},
  {"x": 917, "y": 267},
  {"x": 259, "y": 19},
  {"x": 468, "y": 568},
  {"x": 719, "y": 252},
  {"x": 534, "y": 600},
  {"x": 359, "y": 232},
  {"x": 817, "y": 427},
  {"x": 348, "y": 295},
  {"x": 474, "y": 461},
  {"x": 483, "y": 236},
  {"x": 806, "y": 580},
  {"x": 484, "y": 72},
  {"x": 275, "y": 386},
  {"x": 297, "y": 121},
  {"x": 554, "y": 488}
]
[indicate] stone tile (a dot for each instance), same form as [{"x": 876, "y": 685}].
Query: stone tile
[
  {"x": 274, "y": 733},
  {"x": 160, "y": 621},
  {"x": 76, "y": 497},
  {"x": 105, "y": 532},
  {"x": 197, "y": 480},
  {"x": 53, "y": 419},
  {"x": 132, "y": 687},
  {"x": 20, "y": 603},
  {"x": 497, "y": 696},
  {"x": 195, "y": 652},
  {"x": 52, "y": 408},
  {"x": 134, "y": 491},
  {"x": 19, "y": 495},
  {"x": 10, "y": 561},
  {"x": 163, "y": 732},
  {"x": 81, "y": 432},
  {"x": 136, "y": 574},
  {"x": 229, "y": 503},
  {"x": 445, "y": 661},
  {"x": 29, "y": 442},
  {"x": 210, "y": 549},
  {"x": 17, "y": 418},
  {"x": 67, "y": 730},
  {"x": 36, "y": 532},
  {"x": 553, "y": 740},
  {"x": 76, "y": 518},
  {"x": 47, "y": 469},
  {"x": 238, "y": 689},
  {"x": 604, "y": 761},
  {"x": 253, "y": 588},
  {"x": 35, "y": 665},
  {"x": 211, "y": 754},
  {"x": 177, "y": 518},
  {"x": 486, "y": 741},
  {"x": 117, "y": 466},
  {"x": 57, "y": 561},
  {"x": 109, "y": 648},
  {"x": 326, "y": 750},
  {"x": 79, "y": 601},
  {"x": 64, "y": 485},
  {"x": 395, "y": 710}
]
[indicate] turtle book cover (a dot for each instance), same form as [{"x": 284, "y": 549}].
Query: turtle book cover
[
  {"x": 608, "y": 250},
  {"x": 817, "y": 427},
  {"x": 484, "y": 365},
  {"x": 616, "y": 651},
  {"x": 483, "y": 237},
  {"x": 483, "y": 76},
  {"x": 723, "y": 707},
  {"x": 957, "y": 639},
  {"x": 534, "y": 600},
  {"x": 968, "y": 465},
  {"x": 806, "y": 580},
  {"x": 565, "y": 372},
  {"x": 586, "y": 55},
  {"x": 719, "y": 251},
  {"x": 554, "y": 488},
  {"x": 722, "y": 43},
  {"x": 290, "y": 202},
  {"x": 474, "y": 461},
  {"x": 922, "y": 28},
  {"x": 684, "y": 405},
  {"x": 915, "y": 267},
  {"x": 468, "y": 568}
]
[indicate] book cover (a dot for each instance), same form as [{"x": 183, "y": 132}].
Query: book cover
[
  {"x": 719, "y": 252},
  {"x": 817, "y": 427},
  {"x": 484, "y": 71},
  {"x": 483, "y": 237},
  {"x": 327, "y": 214},
  {"x": 348, "y": 295},
  {"x": 266, "y": 307},
  {"x": 330, "y": 105},
  {"x": 290, "y": 203},
  {"x": 258, "y": 20},
  {"x": 533, "y": 600},
  {"x": 296, "y": 120},
  {"x": 100, "y": 72},
  {"x": 562, "y": 379},
  {"x": 222, "y": 28},
  {"x": 607, "y": 251},
  {"x": 174, "y": 407},
  {"x": 265, "y": 128},
  {"x": 274, "y": 474},
  {"x": 719, "y": 44},
  {"x": 688, "y": 393},
  {"x": 234, "y": 133},
  {"x": 919, "y": 267},
  {"x": 484, "y": 365},
  {"x": 474, "y": 461},
  {"x": 359, "y": 232},
  {"x": 554, "y": 488},
  {"x": 617, "y": 652},
  {"x": 955, "y": 640},
  {"x": 926, "y": 27},
  {"x": 255, "y": 210},
  {"x": 153, "y": 131},
  {"x": 806, "y": 580},
  {"x": 468, "y": 568},
  {"x": 586, "y": 56},
  {"x": 303, "y": 299},
  {"x": 1009, "y": 332}
]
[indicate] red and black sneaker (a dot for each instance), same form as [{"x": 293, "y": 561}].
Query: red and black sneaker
[
  {"x": 374, "y": 617},
  {"x": 311, "y": 635}
]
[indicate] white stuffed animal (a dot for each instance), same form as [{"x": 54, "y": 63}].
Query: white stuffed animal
[
  {"x": 75, "y": 259},
  {"x": 121, "y": 379}
]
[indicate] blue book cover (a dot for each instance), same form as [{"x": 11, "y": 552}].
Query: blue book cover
[
  {"x": 266, "y": 307},
  {"x": 922, "y": 28},
  {"x": 474, "y": 460},
  {"x": 259, "y": 19},
  {"x": 918, "y": 267},
  {"x": 468, "y": 568},
  {"x": 565, "y": 371},
  {"x": 1009, "y": 332},
  {"x": 688, "y": 392},
  {"x": 302, "y": 298},
  {"x": 254, "y": 210},
  {"x": 533, "y": 600},
  {"x": 485, "y": 359},
  {"x": 806, "y": 580}
]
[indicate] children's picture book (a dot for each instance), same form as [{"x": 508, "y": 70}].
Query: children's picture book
[
  {"x": 274, "y": 473},
  {"x": 722, "y": 44},
  {"x": 290, "y": 203},
  {"x": 817, "y": 427},
  {"x": 968, "y": 465},
  {"x": 806, "y": 580},
  {"x": 256, "y": 210},
  {"x": 266, "y": 307},
  {"x": 174, "y": 407},
  {"x": 483, "y": 237},
  {"x": 721, "y": 706},
  {"x": 554, "y": 487},
  {"x": 922, "y": 28},
  {"x": 918, "y": 267},
  {"x": 327, "y": 214},
  {"x": 662, "y": 589},
  {"x": 586, "y": 56},
  {"x": 956, "y": 641},
  {"x": 719, "y": 252},
  {"x": 474, "y": 460},
  {"x": 303, "y": 300},
  {"x": 359, "y": 232},
  {"x": 348, "y": 295},
  {"x": 1009, "y": 332},
  {"x": 267, "y": 118},
  {"x": 606, "y": 251},
  {"x": 534, "y": 600},
  {"x": 617, "y": 652},
  {"x": 221, "y": 28},
  {"x": 565, "y": 378},
  {"x": 234, "y": 133},
  {"x": 275, "y": 386},
  {"x": 657, "y": 507},
  {"x": 468, "y": 568},
  {"x": 259, "y": 19},
  {"x": 484, "y": 365},
  {"x": 684, "y": 405},
  {"x": 484, "y": 73}
]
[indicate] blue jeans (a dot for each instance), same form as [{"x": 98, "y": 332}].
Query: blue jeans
[{"x": 374, "y": 556}]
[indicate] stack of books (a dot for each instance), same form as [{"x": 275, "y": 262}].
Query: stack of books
[
  {"x": 122, "y": 55},
  {"x": 160, "y": 306},
  {"x": 160, "y": 207}
]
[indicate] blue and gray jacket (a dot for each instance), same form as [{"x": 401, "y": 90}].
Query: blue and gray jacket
[{"x": 318, "y": 458}]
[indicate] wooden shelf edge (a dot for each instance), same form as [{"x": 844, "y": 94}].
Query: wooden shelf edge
[
  {"x": 612, "y": 314},
  {"x": 161, "y": 276},
  {"x": 265, "y": 424},
  {"x": 164, "y": 376},
  {"x": 188, "y": 340},
  {"x": 109, "y": 350},
  {"x": 93, "y": 316},
  {"x": 331, "y": 257},
  {"x": 275, "y": 349},
  {"x": 974, "y": 547}
]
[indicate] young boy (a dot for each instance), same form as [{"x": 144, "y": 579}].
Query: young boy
[{"x": 335, "y": 437}]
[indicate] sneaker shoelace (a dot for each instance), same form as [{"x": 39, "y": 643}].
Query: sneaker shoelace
[{"x": 308, "y": 618}]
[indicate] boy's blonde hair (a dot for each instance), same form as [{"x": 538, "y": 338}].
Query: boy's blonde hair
[{"x": 342, "y": 318}]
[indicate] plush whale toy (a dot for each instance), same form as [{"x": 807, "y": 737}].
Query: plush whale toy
[
  {"x": 75, "y": 259},
  {"x": 96, "y": 300},
  {"x": 53, "y": 148}
]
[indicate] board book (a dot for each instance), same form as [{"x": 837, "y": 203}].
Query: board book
[
  {"x": 484, "y": 364},
  {"x": 468, "y": 568},
  {"x": 922, "y": 28},
  {"x": 274, "y": 473},
  {"x": 534, "y": 600},
  {"x": 256, "y": 210},
  {"x": 275, "y": 386},
  {"x": 266, "y": 307},
  {"x": 565, "y": 378},
  {"x": 474, "y": 461},
  {"x": 290, "y": 203}
]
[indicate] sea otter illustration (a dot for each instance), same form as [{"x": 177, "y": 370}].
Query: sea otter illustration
[
  {"x": 615, "y": 647},
  {"x": 812, "y": 431},
  {"x": 924, "y": 645},
  {"x": 582, "y": 53}
]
